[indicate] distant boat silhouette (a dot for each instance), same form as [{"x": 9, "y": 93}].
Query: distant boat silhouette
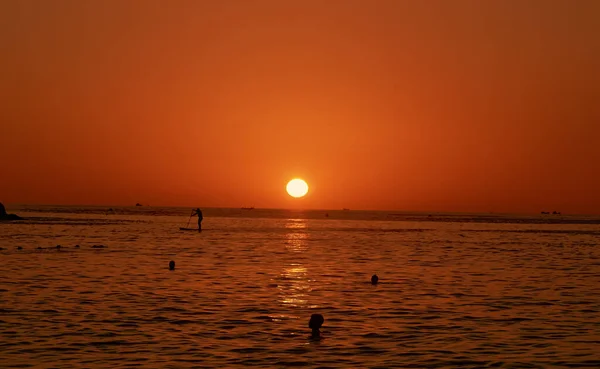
[
  {"x": 345, "y": 209},
  {"x": 138, "y": 204},
  {"x": 246, "y": 208}
]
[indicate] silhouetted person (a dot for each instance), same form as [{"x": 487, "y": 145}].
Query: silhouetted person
[
  {"x": 198, "y": 212},
  {"x": 374, "y": 279},
  {"x": 171, "y": 265},
  {"x": 315, "y": 322}
]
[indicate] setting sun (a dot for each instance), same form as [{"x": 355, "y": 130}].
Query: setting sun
[{"x": 297, "y": 187}]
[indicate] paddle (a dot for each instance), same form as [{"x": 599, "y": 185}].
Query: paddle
[{"x": 188, "y": 225}]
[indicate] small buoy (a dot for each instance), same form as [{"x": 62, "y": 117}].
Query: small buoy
[
  {"x": 171, "y": 265},
  {"x": 374, "y": 279}
]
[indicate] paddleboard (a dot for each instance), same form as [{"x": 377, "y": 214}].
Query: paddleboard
[{"x": 188, "y": 229}]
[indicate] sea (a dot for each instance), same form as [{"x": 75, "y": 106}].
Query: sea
[{"x": 455, "y": 290}]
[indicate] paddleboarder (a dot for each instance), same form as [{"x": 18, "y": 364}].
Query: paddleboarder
[{"x": 198, "y": 212}]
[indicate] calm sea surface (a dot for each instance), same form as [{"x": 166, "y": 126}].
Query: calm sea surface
[{"x": 456, "y": 290}]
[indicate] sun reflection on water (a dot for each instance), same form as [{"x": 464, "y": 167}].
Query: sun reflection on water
[{"x": 295, "y": 283}]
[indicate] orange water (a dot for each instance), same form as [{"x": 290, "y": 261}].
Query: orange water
[{"x": 452, "y": 294}]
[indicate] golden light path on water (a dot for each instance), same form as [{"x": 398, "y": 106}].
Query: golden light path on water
[{"x": 295, "y": 274}]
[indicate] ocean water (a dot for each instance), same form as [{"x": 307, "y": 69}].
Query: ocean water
[{"x": 455, "y": 291}]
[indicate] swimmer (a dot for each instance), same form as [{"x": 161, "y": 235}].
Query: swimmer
[{"x": 315, "y": 323}]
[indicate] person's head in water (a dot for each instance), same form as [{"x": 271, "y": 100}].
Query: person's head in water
[
  {"x": 171, "y": 265},
  {"x": 315, "y": 322},
  {"x": 374, "y": 279}
]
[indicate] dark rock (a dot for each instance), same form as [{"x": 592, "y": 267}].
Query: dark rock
[{"x": 5, "y": 216}]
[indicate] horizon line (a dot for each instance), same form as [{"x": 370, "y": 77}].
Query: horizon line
[{"x": 310, "y": 209}]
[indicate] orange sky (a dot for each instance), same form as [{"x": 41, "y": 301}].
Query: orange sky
[{"x": 384, "y": 104}]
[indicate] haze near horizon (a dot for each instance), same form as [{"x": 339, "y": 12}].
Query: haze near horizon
[{"x": 425, "y": 106}]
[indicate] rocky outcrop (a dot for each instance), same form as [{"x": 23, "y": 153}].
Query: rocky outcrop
[{"x": 5, "y": 216}]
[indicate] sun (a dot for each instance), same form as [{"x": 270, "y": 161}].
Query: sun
[{"x": 297, "y": 187}]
